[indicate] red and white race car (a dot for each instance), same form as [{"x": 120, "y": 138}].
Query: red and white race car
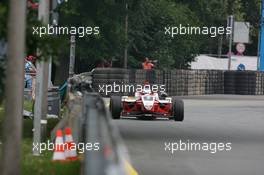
[{"x": 147, "y": 104}]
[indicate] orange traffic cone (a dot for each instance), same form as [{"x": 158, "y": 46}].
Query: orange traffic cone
[
  {"x": 70, "y": 149},
  {"x": 58, "y": 154}
]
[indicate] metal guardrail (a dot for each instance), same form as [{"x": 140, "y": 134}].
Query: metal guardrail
[
  {"x": 95, "y": 126},
  {"x": 98, "y": 127}
]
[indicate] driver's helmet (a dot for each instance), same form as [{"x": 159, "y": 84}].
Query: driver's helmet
[{"x": 146, "y": 89}]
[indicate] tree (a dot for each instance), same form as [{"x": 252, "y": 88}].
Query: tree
[
  {"x": 109, "y": 16},
  {"x": 14, "y": 89},
  {"x": 148, "y": 20}
]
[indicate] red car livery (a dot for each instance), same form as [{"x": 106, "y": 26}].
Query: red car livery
[{"x": 148, "y": 104}]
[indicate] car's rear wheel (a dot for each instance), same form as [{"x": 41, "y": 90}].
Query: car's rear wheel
[
  {"x": 115, "y": 106},
  {"x": 178, "y": 109}
]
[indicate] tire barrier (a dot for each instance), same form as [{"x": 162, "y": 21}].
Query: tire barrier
[
  {"x": 259, "y": 83},
  {"x": 184, "y": 82},
  {"x": 109, "y": 76},
  {"x": 244, "y": 82},
  {"x": 81, "y": 82},
  {"x": 229, "y": 82}
]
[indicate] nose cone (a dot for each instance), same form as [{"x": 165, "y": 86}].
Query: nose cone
[
  {"x": 148, "y": 107},
  {"x": 148, "y": 102}
]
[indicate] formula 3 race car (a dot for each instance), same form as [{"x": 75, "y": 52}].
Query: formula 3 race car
[{"x": 147, "y": 105}]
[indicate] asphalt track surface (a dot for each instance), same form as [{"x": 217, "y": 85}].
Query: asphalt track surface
[{"x": 208, "y": 119}]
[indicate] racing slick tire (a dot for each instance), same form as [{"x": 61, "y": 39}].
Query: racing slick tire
[
  {"x": 115, "y": 106},
  {"x": 178, "y": 109}
]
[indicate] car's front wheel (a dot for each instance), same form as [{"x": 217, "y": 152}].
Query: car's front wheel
[
  {"x": 115, "y": 106},
  {"x": 178, "y": 109}
]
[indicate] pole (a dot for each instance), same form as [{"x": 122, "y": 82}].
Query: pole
[
  {"x": 54, "y": 14},
  {"x": 54, "y": 21},
  {"x": 258, "y": 52},
  {"x": 50, "y": 71},
  {"x": 72, "y": 56},
  {"x": 231, "y": 23},
  {"x": 14, "y": 87},
  {"x": 126, "y": 37},
  {"x": 261, "y": 59},
  {"x": 220, "y": 44},
  {"x": 40, "y": 112},
  {"x": 259, "y": 36}
]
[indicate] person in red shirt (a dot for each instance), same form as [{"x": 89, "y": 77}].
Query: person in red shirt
[{"x": 147, "y": 64}]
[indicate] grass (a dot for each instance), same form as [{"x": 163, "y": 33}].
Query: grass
[
  {"x": 43, "y": 164},
  {"x": 28, "y": 105},
  {"x": 32, "y": 165}
]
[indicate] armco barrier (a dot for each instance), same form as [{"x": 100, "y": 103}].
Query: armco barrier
[
  {"x": 90, "y": 119},
  {"x": 98, "y": 128},
  {"x": 183, "y": 82},
  {"x": 103, "y": 77}
]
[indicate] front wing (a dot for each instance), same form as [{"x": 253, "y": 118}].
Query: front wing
[{"x": 137, "y": 109}]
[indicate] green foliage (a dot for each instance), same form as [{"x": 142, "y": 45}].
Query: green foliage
[
  {"x": 49, "y": 45},
  {"x": 108, "y": 15},
  {"x": 146, "y": 22}
]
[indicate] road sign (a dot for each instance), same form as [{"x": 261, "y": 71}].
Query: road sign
[
  {"x": 241, "y": 32},
  {"x": 241, "y": 67},
  {"x": 230, "y": 23}
]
